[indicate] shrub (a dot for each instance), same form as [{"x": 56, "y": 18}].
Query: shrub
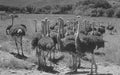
[
  {"x": 30, "y": 9},
  {"x": 117, "y": 13},
  {"x": 109, "y": 12},
  {"x": 100, "y": 12},
  {"x": 95, "y": 3},
  {"x": 66, "y": 8},
  {"x": 93, "y": 13}
]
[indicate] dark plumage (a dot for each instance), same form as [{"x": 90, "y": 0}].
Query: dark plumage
[
  {"x": 88, "y": 43},
  {"x": 110, "y": 27},
  {"x": 35, "y": 40},
  {"x": 101, "y": 29},
  {"x": 14, "y": 30},
  {"x": 53, "y": 35},
  {"x": 96, "y": 33}
]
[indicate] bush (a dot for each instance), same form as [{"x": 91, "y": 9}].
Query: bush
[
  {"x": 29, "y": 9},
  {"x": 93, "y": 13},
  {"x": 100, "y": 12},
  {"x": 109, "y": 12},
  {"x": 80, "y": 10},
  {"x": 117, "y": 13},
  {"x": 66, "y": 8},
  {"x": 95, "y": 3}
]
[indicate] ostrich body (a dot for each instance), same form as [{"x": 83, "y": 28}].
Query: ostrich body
[
  {"x": 88, "y": 43},
  {"x": 43, "y": 43}
]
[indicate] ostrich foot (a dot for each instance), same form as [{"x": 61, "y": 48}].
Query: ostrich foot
[
  {"x": 75, "y": 70},
  {"x": 18, "y": 54},
  {"x": 79, "y": 66},
  {"x": 23, "y": 54},
  {"x": 91, "y": 73}
]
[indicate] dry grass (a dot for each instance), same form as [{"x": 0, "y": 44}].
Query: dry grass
[{"x": 9, "y": 61}]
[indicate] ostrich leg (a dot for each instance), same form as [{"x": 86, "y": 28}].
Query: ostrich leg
[
  {"x": 91, "y": 72},
  {"x": 53, "y": 49},
  {"x": 44, "y": 58},
  {"x": 38, "y": 52},
  {"x": 93, "y": 63},
  {"x": 21, "y": 45},
  {"x": 79, "y": 64},
  {"x": 16, "y": 45},
  {"x": 74, "y": 62},
  {"x": 50, "y": 59}
]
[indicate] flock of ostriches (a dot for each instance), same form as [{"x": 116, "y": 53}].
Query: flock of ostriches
[{"x": 75, "y": 37}]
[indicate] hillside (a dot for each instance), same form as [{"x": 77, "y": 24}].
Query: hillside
[
  {"x": 39, "y": 3},
  {"x": 36, "y": 3}
]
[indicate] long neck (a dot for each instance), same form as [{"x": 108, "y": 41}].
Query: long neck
[
  {"x": 78, "y": 30},
  {"x": 60, "y": 43},
  {"x": 44, "y": 28},
  {"x": 48, "y": 29},
  {"x": 35, "y": 25},
  {"x": 12, "y": 20},
  {"x": 61, "y": 24}
]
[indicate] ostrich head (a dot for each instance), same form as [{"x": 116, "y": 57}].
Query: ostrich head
[{"x": 45, "y": 26}]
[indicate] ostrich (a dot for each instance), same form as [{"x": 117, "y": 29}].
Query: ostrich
[
  {"x": 17, "y": 32},
  {"x": 87, "y": 43},
  {"x": 61, "y": 23},
  {"x": 35, "y": 25},
  {"x": 66, "y": 44},
  {"x": 111, "y": 28},
  {"x": 34, "y": 44},
  {"x": 44, "y": 43},
  {"x": 45, "y": 25},
  {"x": 53, "y": 35},
  {"x": 99, "y": 31}
]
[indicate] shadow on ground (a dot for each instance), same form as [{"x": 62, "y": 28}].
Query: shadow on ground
[
  {"x": 80, "y": 72},
  {"x": 19, "y": 56},
  {"x": 86, "y": 73},
  {"x": 48, "y": 69}
]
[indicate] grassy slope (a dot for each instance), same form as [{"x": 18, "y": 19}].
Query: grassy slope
[{"x": 37, "y": 3}]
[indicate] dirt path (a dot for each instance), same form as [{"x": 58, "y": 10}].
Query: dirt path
[{"x": 103, "y": 69}]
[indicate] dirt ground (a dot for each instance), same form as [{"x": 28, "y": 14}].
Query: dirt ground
[{"x": 108, "y": 58}]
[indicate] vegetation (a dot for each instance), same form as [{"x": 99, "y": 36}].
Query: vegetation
[{"x": 93, "y": 8}]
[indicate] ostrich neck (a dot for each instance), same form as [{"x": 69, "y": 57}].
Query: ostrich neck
[
  {"x": 12, "y": 20},
  {"x": 78, "y": 32},
  {"x": 60, "y": 42}
]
